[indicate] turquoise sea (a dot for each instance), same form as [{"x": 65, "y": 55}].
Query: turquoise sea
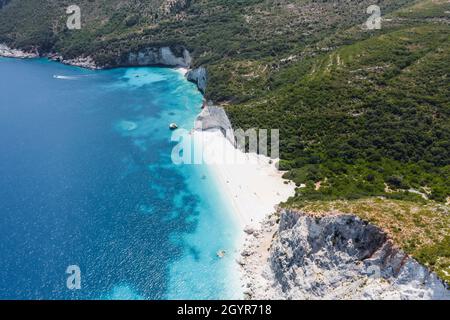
[{"x": 86, "y": 179}]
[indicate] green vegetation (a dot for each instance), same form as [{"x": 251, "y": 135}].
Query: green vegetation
[
  {"x": 368, "y": 118},
  {"x": 217, "y": 32}
]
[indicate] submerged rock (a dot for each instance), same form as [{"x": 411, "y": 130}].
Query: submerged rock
[
  {"x": 127, "y": 125},
  {"x": 221, "y": 253}
]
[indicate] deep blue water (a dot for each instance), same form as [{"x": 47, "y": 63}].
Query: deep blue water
[{"x": 86, "y": 179}]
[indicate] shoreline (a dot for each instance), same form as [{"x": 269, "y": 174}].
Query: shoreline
[
  {"x": 252, "y": 182},
  {"x": 181, "y": 70},
  {"x": 86, "y": 63},
  {"x": 252, "y": 185},
  {"x": 8, "y": 52}
]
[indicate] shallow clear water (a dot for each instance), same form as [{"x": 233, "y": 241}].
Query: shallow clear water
[{"x": 86, "y": 179}]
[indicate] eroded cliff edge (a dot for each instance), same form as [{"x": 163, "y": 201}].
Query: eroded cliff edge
[
  {"x": 331, "y": 257},
  {"x": 178, "y": 56}
]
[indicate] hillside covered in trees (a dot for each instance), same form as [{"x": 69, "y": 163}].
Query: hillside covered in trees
[{"x": 370, "y": 115}]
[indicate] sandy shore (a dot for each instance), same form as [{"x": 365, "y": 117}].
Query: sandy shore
[
  {"x": 254, "y": 187},
  {"x": 182, "y": 71},
  {"x": 252, "y": 182}
]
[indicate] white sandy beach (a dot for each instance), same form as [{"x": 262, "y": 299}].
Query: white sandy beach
[
  {"x": 251, "y": 182},
  {"x": 254, "y": 186},
  {"x": 182, "y": 70}
]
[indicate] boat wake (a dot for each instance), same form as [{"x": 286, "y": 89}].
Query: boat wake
[{"x": 63, "y": 77}]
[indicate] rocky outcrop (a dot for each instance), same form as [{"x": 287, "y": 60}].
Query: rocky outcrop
[
  {"x": 8, "y": 52},
  {"x": 198, "y": 76},
  {"x": 213, "y": 118},
  {"x": 145, "y": 57},
  {"x": 174, "y": 6},
  {"x": 334, "y": 257},
  {"x": 157, "y": 56},
  {"x": 82, "y": 62}
]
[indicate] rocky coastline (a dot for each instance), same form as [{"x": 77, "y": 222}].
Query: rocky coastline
[
  {"x": 8, "y": 52},
  {"x": 149, "y": 56},
  {"x": 293, "y": 255},
  {"x": 214, "y": 118}
]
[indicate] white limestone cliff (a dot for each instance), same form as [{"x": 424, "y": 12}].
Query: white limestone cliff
[{"x": 332, "y": 257}]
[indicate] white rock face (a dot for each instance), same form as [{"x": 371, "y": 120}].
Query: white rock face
[
  {"x": 155, "y": 56},
  {"x": 338, "y": 257},
  {"x": 213, "y": 118}
]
